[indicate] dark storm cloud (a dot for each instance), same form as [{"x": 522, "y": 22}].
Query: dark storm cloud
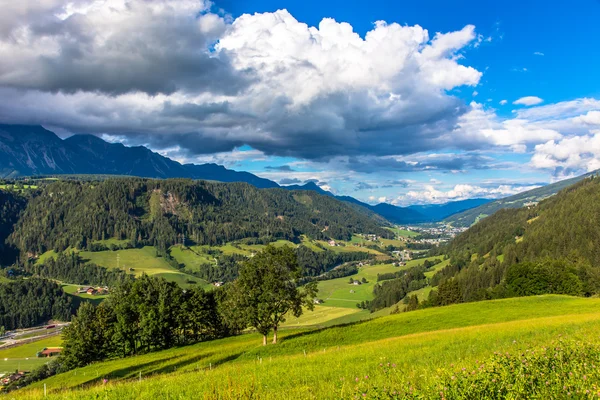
[
  {"x": 281, "y": 168},
  {"x": 364, "y": 186},
  {"x": 289, "y": 181},
  {"x": 445, "y": 163},
  {"x": 396, "y": 183},
  {"x": 148, "y": 48}
]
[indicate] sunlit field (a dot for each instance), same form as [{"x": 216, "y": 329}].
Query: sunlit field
[{"x": 422, "y": 349}]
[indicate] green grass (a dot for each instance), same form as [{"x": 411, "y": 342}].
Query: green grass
[
  {"x": 337, "y": 292},
  {"x": 323, "y": 316},
  {"x": 142, "y": 260},
  {"x": 72, "y": 291},
  {"x": 328, "y": 363},
  {"x": 23, "y": 356},
  {"x": 112, "y": 241},
  {"x": 403, "y": 232},
  {"x": 191, "y": 258},
  {"x": 393, "y": 242},
  {"x": 436, "y": 267},
  {"x": 349, "y": 247},
  {"x": 38, "y": 333},
  {"x": 422, "y": 293}
]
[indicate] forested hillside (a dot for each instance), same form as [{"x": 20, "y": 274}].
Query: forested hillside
[
  {"x": 161, "y": 212},
  {"x": 25, "y": 303},
  {"x": 548, "y": 248},
  {"x": 11, "y": 205}
]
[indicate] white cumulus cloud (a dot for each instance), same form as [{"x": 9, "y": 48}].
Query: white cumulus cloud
[
  {"x": 528, "y": 101},
  {"x": 431, "y": 195}
]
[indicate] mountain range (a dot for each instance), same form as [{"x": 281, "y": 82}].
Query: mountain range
[
  {"x": 32, "y": 150},
  {"x": 27, "y": 150}
]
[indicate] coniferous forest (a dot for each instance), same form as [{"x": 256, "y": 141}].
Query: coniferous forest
[
  {"x": 152, "y": 212},
  {"x": 25, "y": 303}
]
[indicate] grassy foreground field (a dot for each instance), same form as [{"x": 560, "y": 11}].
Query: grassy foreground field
[{"x": 409, "y": 353}]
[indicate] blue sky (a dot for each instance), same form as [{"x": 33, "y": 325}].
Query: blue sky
[{"x": 444, "y": 101}]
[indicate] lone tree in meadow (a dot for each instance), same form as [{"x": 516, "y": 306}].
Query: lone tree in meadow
[{"x": 266, "y": 291}]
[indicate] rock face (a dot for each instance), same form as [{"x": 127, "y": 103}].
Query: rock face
[{"x": 32, "y": 150}]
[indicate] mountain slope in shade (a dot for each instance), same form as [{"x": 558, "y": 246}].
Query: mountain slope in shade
[
  {"x": 437, "y": 212},
  {"x": 392, "y": 213},
  {"x": 33, "y": 150},
  {"x": 469, "y": 217}
]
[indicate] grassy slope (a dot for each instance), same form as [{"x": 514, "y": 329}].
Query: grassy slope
[
  {"x": 72, "y": 290},
  {"x": 142, "y": 260},
  {"x": 418, "y": 342},
  {"x": 336, "y": 292},
  {"x": 24, "y": 356},
  {"x": 403, "y": 232}
]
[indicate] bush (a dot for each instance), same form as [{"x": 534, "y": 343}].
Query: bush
[{"x": 564, "y": 369}]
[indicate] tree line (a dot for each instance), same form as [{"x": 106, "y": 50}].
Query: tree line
[
  {"x": 141, "y": 316},
  {"x": 150, "y": 314}
]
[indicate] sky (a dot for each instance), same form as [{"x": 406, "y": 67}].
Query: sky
[{"x": 386, "y": 101}]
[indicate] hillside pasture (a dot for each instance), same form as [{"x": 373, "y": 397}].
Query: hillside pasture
[
  {"x": 340, "y": 293},
  {"x": 342, "y": 361},
  {"x": 404, "y": 232},
  {"x": 140, "y": 261},
  {"x": 72, "y": 291}
]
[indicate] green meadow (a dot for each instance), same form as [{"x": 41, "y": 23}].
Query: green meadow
[
  {"x": 72, "y": 290},
  {"x": 340, "y": 293},
  {"x": 403, "y": 232},
  {"x": 23, "y": 357},
  {"x": 410, "y": 353},
  {"x": 144, "y": 260},
  {"x": 137, "y": 262}
]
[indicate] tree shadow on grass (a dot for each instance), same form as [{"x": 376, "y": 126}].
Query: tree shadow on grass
[
  {"x": 124, "y": 373},
  {"x": 311, "y": 332},
  {"x": 195, "y": 360}
]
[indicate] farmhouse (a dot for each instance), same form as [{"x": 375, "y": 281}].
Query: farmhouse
[
  {"x": 317, "y": 301},
  {"x": 356, "y": 283},
  {"x": 5, "y": 380},
  {"x": 405, "y": 255},
  {"x": 49, "y": 352},
  {"x": 84, "y": 289},
  {"x": 332, "y": 243}
]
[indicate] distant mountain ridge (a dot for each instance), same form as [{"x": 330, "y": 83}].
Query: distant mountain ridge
[
  {"x": 472, "y": 215},
  {"x": 33, "y": 150},
  {"x": 403, "y": 215}
]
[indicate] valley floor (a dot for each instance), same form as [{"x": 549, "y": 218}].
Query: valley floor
[{"x": 410, "y": 353}]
